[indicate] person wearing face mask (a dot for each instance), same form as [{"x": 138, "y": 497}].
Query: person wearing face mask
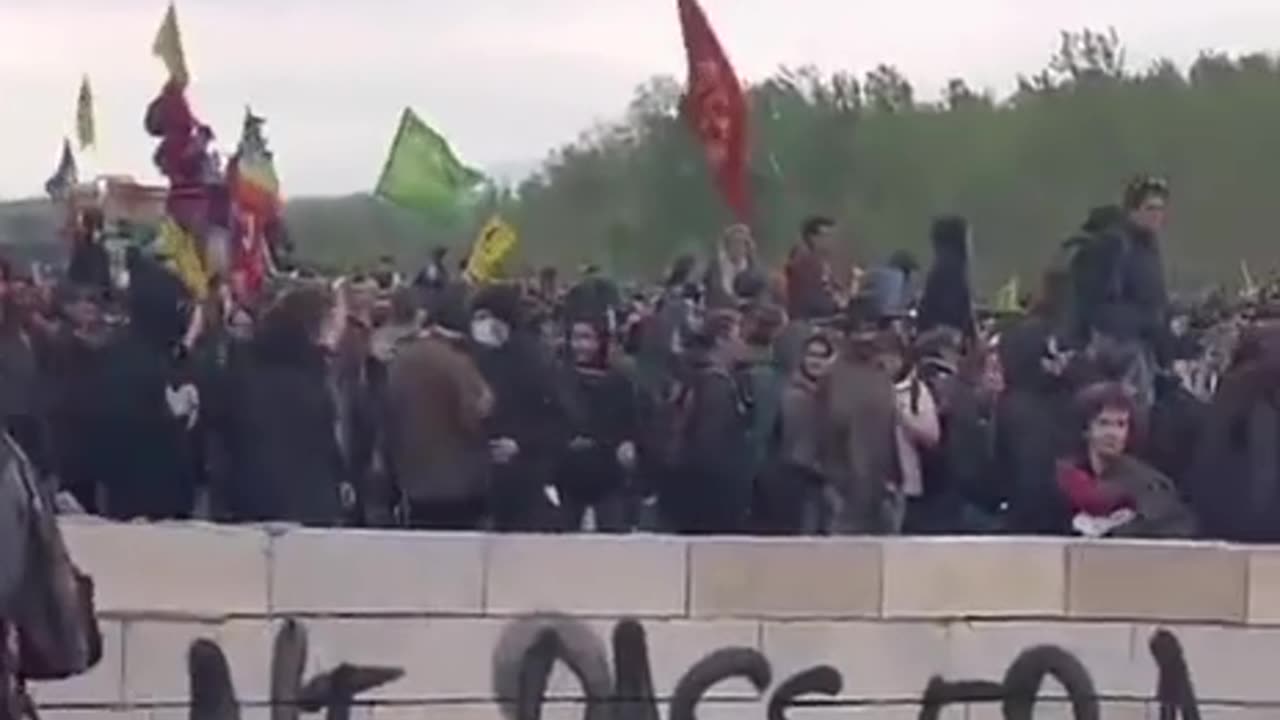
[
  {"x": 597, "y": 448},
  {"x": 1110, "y": 492},
  {"x": 435, "y": 407},
  {"x": 525, "y": 418}
]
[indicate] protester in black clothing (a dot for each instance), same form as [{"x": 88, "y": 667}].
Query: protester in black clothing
[
  {"x": 598, "y": 443},
  {"x": 90, "y": 264},
  {"x": 1033, "y": 428},
  {"x": 1234, "y": 481},
  {"x": 1137, "y": 303},
  {"x": 22, "y": 407},
  {"x": 948, "y": 299},
  {"x": 525, "y": 417},
  {"x": 74, "y": 360},
  {"x": 288, "y": 464},
  {"x": 710, "y": 489}
]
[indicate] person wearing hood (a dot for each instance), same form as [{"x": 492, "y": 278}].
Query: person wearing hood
[
  {"x": 597, "y": 448},
  {"x": 709, "y": 491},
  {"x": 664, "y": 329},
  {"x": 526, "y": 416},
  {"x": 436, "y": 404},
  {"x": 948, "y": 298},
  {"x": 289, "y": 465},
  {"x": 150, "y": 399},
  {"x": 858, "y": 427},
  {"x": 1091, "y": 255},
  {"x": 796, "y": 497},
  {"x": 1031, "y": 431}
]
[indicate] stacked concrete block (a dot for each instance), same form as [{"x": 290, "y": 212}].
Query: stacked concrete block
[{"x": 457, "y": 613}]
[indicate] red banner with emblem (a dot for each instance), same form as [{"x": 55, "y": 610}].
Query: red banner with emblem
[{"x": 716, "y": 108}]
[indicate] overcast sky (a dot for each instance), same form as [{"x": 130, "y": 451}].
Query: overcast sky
[{"x": 504, "y": 80}]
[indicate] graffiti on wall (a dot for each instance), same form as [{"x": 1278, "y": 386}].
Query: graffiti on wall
[
  {"x": 213, "y": 695},
  {"x": 617, "y": 683}
]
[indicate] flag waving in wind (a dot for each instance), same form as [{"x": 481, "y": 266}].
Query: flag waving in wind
[
  {"x": 422, "y": 173},
  {"x": 492, "y": 248},
  {"x": 715, "y": 108},
  {"x": 168, "y": 46},
  {"x": 65, "y": 177},
  {"x": 86, "y": 132}
]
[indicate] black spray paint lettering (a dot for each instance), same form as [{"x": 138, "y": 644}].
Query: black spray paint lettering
[
  {"x": 523, "y": 663},
  {"x": 1017, "y": 693},
  {"x": 529, "y": 649},
  {"x": 213, "y": 695}
]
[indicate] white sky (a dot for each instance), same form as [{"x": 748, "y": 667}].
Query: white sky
[{"x": 505, "y": 80}]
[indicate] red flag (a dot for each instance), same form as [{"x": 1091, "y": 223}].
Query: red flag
[{"x": 716, "y": 108}]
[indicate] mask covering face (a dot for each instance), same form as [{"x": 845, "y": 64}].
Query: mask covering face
[{"x": 489, "y": 332}]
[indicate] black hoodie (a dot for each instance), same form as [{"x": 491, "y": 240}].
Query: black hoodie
[
  {"x": 948, "y": 299},
  {"x": 1031, "y": 431}
]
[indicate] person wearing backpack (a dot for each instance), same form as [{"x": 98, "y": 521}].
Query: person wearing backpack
[{"x": 1120, "y": 286}]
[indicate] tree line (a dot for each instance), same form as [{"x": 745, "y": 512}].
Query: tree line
[{"x": 866, "y": 149}]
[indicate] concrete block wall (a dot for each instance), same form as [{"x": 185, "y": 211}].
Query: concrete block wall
[{"x": 454, "y": 616}]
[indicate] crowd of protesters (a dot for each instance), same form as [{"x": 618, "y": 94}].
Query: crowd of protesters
[{"x": 724, "y": 400}]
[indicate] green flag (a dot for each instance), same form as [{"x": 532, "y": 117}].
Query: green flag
[{"x": 422, "y": 173}]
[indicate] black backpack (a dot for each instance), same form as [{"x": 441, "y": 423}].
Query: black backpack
[{"x": 53, "y": 609}]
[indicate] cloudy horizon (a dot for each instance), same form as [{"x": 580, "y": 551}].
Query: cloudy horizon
[{"x": 507, "y": 81}]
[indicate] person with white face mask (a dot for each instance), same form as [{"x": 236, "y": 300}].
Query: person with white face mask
[
  {"x": 488, "y": 330},
  {"x": 521, "y": 427}
]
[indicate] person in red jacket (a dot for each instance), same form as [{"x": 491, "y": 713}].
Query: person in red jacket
[{"x": 1109, "y": 491}]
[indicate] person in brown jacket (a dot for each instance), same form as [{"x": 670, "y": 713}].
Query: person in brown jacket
[
  {"x": 857, "y": 444},
  {"x": 436, "y": 405}
]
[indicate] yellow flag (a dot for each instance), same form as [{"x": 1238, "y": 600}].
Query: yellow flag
[
  {"x": 86, "y": 133},
  {"x": 495, "y": 244},
  {"x": 179, "y": 248},
  {"x": 168, "y": 46},
  {"x": 1008, "y": 299}
]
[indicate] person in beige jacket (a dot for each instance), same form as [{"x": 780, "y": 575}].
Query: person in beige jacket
[{"x": 436, "y": 445}]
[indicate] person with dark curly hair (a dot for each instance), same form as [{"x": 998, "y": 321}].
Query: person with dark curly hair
[{"x": 1109, "y": 491}]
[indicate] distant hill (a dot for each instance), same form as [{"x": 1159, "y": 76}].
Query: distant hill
[
  {"x": 338, "y": 231},
  {"x": 28, "y": 232}
]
